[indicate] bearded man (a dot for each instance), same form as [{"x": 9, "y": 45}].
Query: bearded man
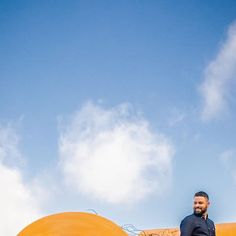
[{"x": 198, "y": 224}]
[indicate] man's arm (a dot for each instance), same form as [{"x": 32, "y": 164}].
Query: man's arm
[
  {"x": 214, "y": 229},
  {"x": 186, "y": 227}
]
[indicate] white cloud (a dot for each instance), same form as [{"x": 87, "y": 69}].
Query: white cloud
[
  {"x": 8, "y": 145},
  {"x": 18, "y": 205},
  {"x": 112, "y": 155},
  {"x": 219, "y": 74}
]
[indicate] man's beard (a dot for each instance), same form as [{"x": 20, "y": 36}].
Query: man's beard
[{"x": 200, "y": 213}]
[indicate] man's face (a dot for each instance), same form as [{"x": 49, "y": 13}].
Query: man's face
[{"x": 200, "y": 205}]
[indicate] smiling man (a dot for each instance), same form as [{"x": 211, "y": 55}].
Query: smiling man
[{"x": 198, "y": 224}]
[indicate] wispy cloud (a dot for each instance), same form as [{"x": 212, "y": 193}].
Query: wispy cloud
[
  {"x": 215, "y": 88},
  {"x": 228, "y": 159},
  {"x": 8, "y": 145},
  {"x": 18, "y": 205},
  {"x": 112, "y": 155},
  {"x": 176, "y": 117}
]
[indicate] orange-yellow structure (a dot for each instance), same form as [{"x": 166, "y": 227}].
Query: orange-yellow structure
[
  {"x": 225, "y": 229},
  {"x": 86, "y": 224},
  {"x": 73, "y": 224}
]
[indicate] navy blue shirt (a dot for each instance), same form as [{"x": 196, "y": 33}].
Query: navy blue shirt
[{"x": 194, "y": 225}]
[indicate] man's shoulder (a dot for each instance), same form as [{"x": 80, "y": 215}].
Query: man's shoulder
[
  {"x": 187, "y": 223},
  {"x": 211, "y": 221},
  {"x": 189, "y": 218}
]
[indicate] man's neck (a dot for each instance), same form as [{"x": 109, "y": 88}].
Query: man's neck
[{"x": 205, "y": 215}]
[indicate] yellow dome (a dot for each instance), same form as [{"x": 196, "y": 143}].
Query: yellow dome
[{"x": 73, "y": 224}]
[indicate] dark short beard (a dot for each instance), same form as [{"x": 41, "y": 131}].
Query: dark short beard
[{"x": 199, "y": 214}]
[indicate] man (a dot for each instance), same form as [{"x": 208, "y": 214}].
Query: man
[{"x": 198, "y": 224}]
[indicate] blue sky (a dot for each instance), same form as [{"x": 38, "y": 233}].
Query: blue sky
[{"x": 124, "y": 107}]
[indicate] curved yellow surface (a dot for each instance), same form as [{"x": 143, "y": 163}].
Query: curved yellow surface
[
  {"x": 224, "y": 229},
  {"x": 73, "y": 224}
]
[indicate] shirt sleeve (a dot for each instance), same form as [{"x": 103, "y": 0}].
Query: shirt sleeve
[
  {"x": 214, "y": 229},
  {"x": 186, "y": 227}
]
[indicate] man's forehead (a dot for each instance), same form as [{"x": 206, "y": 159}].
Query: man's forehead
[{"x": 200, "y": 198}]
